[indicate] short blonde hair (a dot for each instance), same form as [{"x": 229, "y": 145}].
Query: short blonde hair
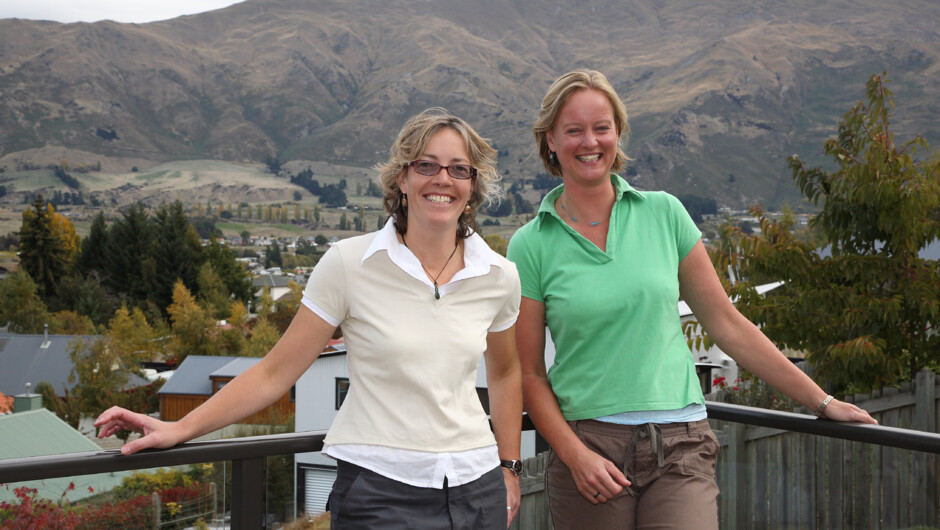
[
  {"x": 411, "y": 143},
  {"x": 555, "y": 99}
]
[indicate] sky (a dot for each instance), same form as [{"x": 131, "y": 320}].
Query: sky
[{"x": 138, "y": 11}]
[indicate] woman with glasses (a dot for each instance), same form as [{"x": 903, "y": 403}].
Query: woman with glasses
[
  {"x": 604, "y": 266},
  {"x": 419, "y": 303}
]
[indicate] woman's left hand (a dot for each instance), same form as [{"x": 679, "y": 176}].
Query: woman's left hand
[
  {"x": 512, "y": 495},
  {"x": 841, "y": 411}
]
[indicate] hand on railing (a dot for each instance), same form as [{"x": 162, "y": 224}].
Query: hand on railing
[
  {"x": 841, "y": 411},
  {"x": 155, "y": 433}
]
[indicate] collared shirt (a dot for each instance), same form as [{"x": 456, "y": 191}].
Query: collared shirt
[
  {"x": 613, "y": 313},
  {"x": 408, "y": 464}
]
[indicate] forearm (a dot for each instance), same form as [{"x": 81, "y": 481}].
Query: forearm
[
  {"x": 248, "y": 393},
  {"x": 542, "y": 407},
  {"x": 750, "y": 348},
  {"x": 505, "y": 394}
]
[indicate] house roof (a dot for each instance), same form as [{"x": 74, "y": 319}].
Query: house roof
[
  {"x": 40, "y": 432},
  {"x": 271, "y": 280},
  {"x": 239, "y": 365},
  {"x": 36, "y": 358},
  {"x": 192, "y": 376},
  {"x": 685, "y": 310}
]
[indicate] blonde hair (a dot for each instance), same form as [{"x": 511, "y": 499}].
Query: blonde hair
[
  {"x": 411, "y": 143},
  {"x": 555, "y": 99}
]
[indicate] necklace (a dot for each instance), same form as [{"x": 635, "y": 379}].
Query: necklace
[
  {"x": 437, "y": 293},
  {"x": 573, "y": 218}
]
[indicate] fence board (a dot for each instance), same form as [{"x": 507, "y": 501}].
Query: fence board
[
  {"x": 807, "y": 489},
  {"x": 890, "y": 487},
  {"x": 770, "y": 478},
  {"x": 848, "y": 484}
]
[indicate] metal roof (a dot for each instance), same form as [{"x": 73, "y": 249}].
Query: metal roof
[
  {"x": 40, "y": 432},
  {"x": 271, "y": 280},
  {"x": 35, "y": 358},
  {"x": 239, "y": 365},
  {"x": 192, "y": 375}
]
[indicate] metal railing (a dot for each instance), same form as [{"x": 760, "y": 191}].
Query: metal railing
[{"x": 247, "y": 454}]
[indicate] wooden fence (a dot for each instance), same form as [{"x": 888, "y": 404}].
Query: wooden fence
[
  {"x": 777, "y": 479},
  {"x": 774, "y": 479}
]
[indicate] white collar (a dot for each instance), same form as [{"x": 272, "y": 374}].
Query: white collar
[{"x": 477, "y": 257}]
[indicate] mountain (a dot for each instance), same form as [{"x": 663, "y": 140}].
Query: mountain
[{"x": 719, "y": 92}]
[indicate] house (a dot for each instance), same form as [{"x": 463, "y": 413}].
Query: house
[
  {"x": 37, "y": 432},
  {"x": 36, "y": 358},
  {"x": 198, "y": 377},
  {"x": 320, "y": 392},
  {"x": 277, "y": 284}
]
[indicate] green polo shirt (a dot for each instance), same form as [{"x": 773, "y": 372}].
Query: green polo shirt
[{"x": 613, "y": 315}]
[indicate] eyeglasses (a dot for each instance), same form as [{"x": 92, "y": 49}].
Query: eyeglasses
[{"x": 457, "y": 171}]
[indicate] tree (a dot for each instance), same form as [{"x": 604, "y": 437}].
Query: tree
[
  {"x": 68, "y": 409},
  {"x": 48, "y": 246},
  {"x": 234, "y": 276},
  {"x": 22, "y": 310},
  {"x": 129, "y": 252},
  {"x": 866, "y": 312},
  {"x": 213, "y": 295},
  {"x": 272, "y": 256},
  {"x": 192, "y": 326},
  {"x": 497, "y": 243},
  {"x": 176, "y": 249},
  {"x": 94, "y": 247},
  {"x": 264, "y": 335}
]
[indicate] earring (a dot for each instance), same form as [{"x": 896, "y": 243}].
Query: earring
[
  {"x": 552, "y": 158},
  {"x": 467, "y": 209},
  {"x": 404, "y": 200}
]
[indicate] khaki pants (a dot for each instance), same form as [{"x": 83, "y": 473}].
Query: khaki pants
[{"x": 671, "y": 467}]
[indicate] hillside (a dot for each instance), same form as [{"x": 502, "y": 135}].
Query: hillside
[{"x": 714, "y": 89}]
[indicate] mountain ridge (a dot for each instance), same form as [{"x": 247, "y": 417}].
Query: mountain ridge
[{"x": 713, "y": 90}]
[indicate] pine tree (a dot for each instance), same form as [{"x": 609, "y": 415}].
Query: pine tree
[
  {"x": 129, "y": 256},
  {"x": 176, "y": 249},
  {"x": 92, "y": 257},
  {"x": 48, "y": 246}
]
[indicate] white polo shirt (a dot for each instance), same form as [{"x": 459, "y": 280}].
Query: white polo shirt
[{"x": 412, "y": 412}]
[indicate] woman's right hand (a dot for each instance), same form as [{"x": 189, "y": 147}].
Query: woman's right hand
[
  {"x": 155, "y": 433},
  {"x": 597, "y": 478}
]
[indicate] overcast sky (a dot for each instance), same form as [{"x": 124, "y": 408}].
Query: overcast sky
[{"x": 118, "y": 10}]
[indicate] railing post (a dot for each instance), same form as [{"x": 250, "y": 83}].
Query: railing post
[{"x": 247, "y": 485}]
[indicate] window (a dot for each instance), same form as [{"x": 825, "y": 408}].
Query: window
[{"x": 342, "y": 388}]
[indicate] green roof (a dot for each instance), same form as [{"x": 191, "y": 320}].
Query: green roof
[{"x": 40, "y": 432}]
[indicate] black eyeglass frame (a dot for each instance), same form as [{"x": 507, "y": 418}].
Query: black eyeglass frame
[{"x": 439, "y": 167}]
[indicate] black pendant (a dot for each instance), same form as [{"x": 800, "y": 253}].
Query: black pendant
[{"x": 437, "y": 294}]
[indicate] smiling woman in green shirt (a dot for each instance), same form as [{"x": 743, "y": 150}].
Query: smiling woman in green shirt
[{"x": 604, "y": 266}]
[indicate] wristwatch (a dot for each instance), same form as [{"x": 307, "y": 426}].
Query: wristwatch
[{"x": 513, "y": 465}]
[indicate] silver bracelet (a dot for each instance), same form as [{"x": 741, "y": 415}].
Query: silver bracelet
[{"x": 822, "y": 406}]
